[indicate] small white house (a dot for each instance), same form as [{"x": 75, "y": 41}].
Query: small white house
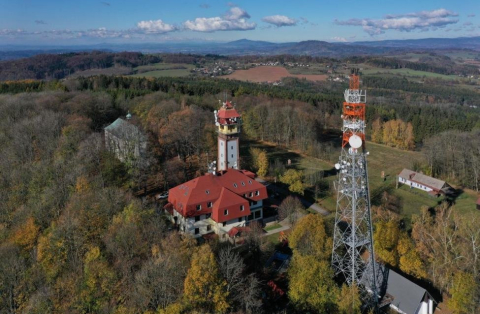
[{"x": 422, "y": 182}]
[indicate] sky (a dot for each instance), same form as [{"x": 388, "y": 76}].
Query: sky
[{"x": 67, "y": 22}]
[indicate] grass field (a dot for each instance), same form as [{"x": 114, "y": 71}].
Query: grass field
[
  {"x": 163, "y": 69},
  {"x": 273, "y": 227},
  {"x": 381, "y": 158},
  {"x": 408, "y": 73}
]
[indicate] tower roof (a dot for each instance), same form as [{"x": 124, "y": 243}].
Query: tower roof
[{"x": 228, "y": 111}]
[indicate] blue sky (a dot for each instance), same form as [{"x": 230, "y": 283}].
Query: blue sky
[{"x": 121, "y": 21}]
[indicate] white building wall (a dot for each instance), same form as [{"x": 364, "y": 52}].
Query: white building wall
[
  {"x": 414, "y": 184},
  {"x": 232, "y": 152}
]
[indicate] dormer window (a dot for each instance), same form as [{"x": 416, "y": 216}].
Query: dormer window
[
  {"x": 251, "y": 194},
  {"x": 249, "y": 181},
  {"x": 242, "y": 207},
  {"x": 225, "y": 212},
  {"x": 199, "y": 207},
  {"x": 257, "y": 193},
  {"x": 209, "y": 204}
]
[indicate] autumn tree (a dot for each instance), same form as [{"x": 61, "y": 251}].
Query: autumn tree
[
  {"x": 309, "y": 238},
  {"x": 349, "y": 300},
  {"x": 311, "y": 285},
  {"x": 294, "y": 179},
  {"x": 464, "y": 293},
  {"x": 204, "y": 287}
]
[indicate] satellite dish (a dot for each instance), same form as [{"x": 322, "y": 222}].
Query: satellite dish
[
  {"x": 337, "y": 166},
  {"x": 355, "y": 141}
]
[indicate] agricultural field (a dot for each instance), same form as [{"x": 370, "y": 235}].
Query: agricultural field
[
  {"x": 163, "y": 70},
  {"x": 270, "y": 74}
]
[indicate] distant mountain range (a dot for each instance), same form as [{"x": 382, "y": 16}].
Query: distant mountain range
[{"x": 251, "y": 47}]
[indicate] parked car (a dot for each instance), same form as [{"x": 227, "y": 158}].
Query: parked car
[{"x": 162, "y": 195}]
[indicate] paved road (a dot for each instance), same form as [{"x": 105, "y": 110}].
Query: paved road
[{"x": 305, "y": 203}]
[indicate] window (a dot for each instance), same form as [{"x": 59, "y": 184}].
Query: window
[
  {"x": 209, "y": 228},
  {"x": 232, "y": 155},
  {"x": 240, "y": 219},
  {"x": 251, "y": 194},
  {"x": 209, "y": 204},
  {"x": 252, "y": 203},
  {"x": 231, "y": 147},
  {"x": 208, "y": 216},
  {"x": 199, "y": 207},
  {"x": 242, "y": 207},
  {"x": 257, "y": 193},
  {"x": 249, "y": 181},
  {"x": 250, "y": 217},
  {"x": 197, "y": 218},
  {"x": 225, "y": 212},
  {"x": 197, "y": 230},
  {"x": 243, "y": 183},
  {"x": 207, "y": 191},
  {"x": 235, "y": 185},
  {"x": 257, "y": 214},
  {"x": 224, "y": 223}
]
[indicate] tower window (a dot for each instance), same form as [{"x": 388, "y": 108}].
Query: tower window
[
  {"x": 231, "y": 147},
  {"x": 232, "y": 155},
  {"x": 225, "y": 212}
]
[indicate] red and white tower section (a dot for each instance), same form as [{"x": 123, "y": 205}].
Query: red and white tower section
[
  {"x": 228, "y": 122},
  {"x": 353, "y": 255}
]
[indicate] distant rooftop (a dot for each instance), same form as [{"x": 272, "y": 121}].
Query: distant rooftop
[
  {"x": 124, "y": 129},
  {"x": 411, "y": 175}
]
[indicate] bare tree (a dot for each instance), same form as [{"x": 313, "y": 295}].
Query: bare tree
[
  {"x": 249, "y": 296},
  {"x": 231, "y": 267},
  {"x": 290, "y": 209}
]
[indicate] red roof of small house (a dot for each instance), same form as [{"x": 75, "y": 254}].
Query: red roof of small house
[
  {"x": 214, "y": 193},
  {"x": 236, "y": 230}
]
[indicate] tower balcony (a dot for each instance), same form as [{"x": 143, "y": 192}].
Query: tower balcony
[{"x": 228, "y": 129}]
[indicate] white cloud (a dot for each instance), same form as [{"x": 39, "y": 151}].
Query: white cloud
[
  {"x": 155, "y": 27},
  {"x": 279, "y": 20},
  {"x": 340, "y": 39},
  {"x": 421, "y": 21},
  {"x": 471, "y": 15},
  {"x": 234, "y": 19}
]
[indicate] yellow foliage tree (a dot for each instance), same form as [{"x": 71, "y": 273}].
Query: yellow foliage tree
[
  {"x": 294, "y": 179},
  {"x": 385, "y": 239},
  {"x": 377, "y": 131},
  {"x": 464, "y": 294},
  {"x": 311, "y": 285},
  {"x": 27, "y": 234},
  {"x": 410, "y": 261},
  {"x": 204, "y": 288},
  {"x": 349, "y": 300},
  {"x": 309, "y": 238},
  {"x": 262, "y": 164}
]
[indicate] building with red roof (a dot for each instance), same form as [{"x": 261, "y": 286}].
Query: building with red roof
[{"x": 223, "y": 199}]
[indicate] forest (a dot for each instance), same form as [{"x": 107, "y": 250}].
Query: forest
[{"x": 58, "y": 66}]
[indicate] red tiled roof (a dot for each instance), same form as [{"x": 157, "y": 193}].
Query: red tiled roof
[
  {"x": 235, "y": 230},
  {"x": 209, "y": 188},
  {"x": 228, "y": 111},
  {"x": 228, "y": 206}
]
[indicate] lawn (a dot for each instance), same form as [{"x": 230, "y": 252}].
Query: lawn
[
  {"x": 409, "y": 73},
  {"x": 380, "y": 158},
  {"x": 163, "y": 69},
  {"x": 272, "y": 227}
]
